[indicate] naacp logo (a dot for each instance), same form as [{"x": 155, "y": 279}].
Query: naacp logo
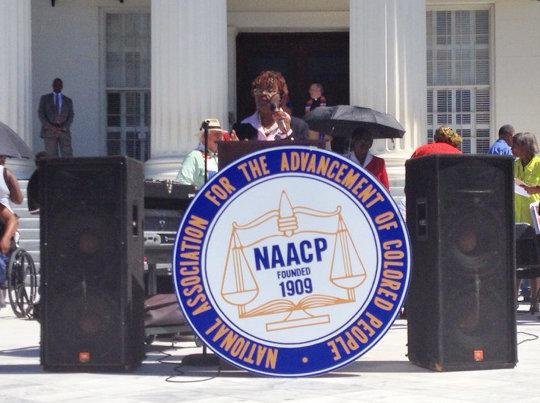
[{"x": 291, "y": 261}]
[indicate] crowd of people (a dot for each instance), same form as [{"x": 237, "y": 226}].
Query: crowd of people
[
  {"x": 270, "y": 121},
  {"x": 56, "y": 115}
]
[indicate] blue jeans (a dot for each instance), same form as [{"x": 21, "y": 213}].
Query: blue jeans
[{"x": 3, "y": 269}]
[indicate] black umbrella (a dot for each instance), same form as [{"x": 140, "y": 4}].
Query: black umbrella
[
  {"x": 11, "y": 145},
  {"x": 341, "y": 120}
]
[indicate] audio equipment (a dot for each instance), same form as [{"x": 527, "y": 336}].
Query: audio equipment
[
  {"x": 527, "y": 248},
  {"x": 460, "y": 306},
  {"x": 164, "y": 205},
  {"x": 92, "y": 293}
]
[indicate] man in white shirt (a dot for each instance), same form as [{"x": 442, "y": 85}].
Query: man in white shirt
[{"x": 194, "y": 170}]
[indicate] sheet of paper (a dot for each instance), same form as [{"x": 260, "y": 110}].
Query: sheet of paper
[
  {"x": 519, "y": 181},
  {"x": 535, "y": 216},
  {"x": 520, "y": 191}
]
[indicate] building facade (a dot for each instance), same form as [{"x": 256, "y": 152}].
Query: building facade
[{"x": 144, "y": 74}]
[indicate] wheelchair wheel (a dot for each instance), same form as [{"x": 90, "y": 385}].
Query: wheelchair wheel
[{"x": 22, "y": 283}]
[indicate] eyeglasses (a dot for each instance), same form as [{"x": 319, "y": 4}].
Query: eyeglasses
[{"x": 270, "y": 92}]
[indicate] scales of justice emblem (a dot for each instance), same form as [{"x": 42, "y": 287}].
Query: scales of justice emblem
[{"x": 311, "y": 250}]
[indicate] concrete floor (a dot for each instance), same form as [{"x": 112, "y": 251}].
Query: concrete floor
[{"x": 384, "y": 374}]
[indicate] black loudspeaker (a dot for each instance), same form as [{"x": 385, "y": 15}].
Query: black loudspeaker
[
  {"x": 92, "y": 293},
  {"x": 460, "y": 306}
]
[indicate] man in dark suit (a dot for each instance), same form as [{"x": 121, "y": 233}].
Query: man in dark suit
[{"x": 56, "y": 115}]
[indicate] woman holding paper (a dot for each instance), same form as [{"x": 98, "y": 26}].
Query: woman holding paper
[{"x": 527, "y": 174}]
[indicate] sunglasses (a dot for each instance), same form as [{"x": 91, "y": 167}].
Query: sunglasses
[{"x": 270, "y": 92}]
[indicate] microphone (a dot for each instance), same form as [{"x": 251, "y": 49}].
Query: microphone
[
  {"x": 204, "y": 124},
  {"x": 280, "y": 121}
]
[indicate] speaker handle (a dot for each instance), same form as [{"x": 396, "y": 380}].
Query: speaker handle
[
  {"x": 421, "y": 219},
  {"x": 135, "y": 219}
]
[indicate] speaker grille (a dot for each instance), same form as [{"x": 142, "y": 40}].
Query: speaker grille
[
  {"x": 91, "y": 263},
  {"x": 460, "y": 306}
]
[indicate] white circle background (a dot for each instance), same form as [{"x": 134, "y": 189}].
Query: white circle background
[{"x": 307, "y": 191}]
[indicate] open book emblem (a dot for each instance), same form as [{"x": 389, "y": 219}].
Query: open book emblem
[{"x": 301, "y": 245}]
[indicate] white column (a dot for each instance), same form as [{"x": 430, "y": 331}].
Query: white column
[
  {"x": 16, "y": 76},
  {"x": 189, "y": 77},
  {"x": 388, "y": 72},
  {"x": 232, "y": 33}
]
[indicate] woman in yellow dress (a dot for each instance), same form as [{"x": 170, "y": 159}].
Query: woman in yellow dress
[{"x": 527, "y": 169}]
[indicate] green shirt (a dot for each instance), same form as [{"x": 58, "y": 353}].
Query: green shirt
[
  {"x": 192, "y": 170},
  {"x": 530, "y": 174}
]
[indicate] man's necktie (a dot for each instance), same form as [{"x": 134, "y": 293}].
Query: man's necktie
[{"x": 56, "y": 107}]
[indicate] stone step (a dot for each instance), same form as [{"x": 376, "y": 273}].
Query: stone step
[
  {"x": 27, "y": 223},
  {"x": 29, "y": 244}
]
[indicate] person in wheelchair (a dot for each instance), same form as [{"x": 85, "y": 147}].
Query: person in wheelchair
[{"x": 9, "y": 192}]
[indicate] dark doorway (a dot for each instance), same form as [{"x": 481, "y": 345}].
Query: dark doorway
[{"x": 302, "y": 58}]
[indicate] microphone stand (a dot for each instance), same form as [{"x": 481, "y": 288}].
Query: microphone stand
[
  {"x": 201, "y": 360},
  {"x": 205, "y": 127},
  {"x": 204, "y": 359}
]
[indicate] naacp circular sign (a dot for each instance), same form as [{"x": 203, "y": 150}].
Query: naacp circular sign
[{"x": 291, "y": 261}]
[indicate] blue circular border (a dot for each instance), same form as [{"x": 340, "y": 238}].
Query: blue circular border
[{"x": 323, "y": 356}]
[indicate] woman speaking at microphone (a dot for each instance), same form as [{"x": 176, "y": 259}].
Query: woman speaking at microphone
[{"x": 270, "y": 122}]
